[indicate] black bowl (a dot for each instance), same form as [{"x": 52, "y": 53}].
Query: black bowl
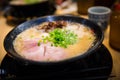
[
  {"x": 17, "y": 14},
  {"x": 8, "y": 42},
  {"x": 42, "y": 8}
]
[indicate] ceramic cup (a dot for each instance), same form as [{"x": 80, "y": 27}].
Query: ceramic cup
[{"x": 99, "y": 15}]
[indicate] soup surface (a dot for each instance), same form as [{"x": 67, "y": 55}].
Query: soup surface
[{"x": 54, "y": 41}]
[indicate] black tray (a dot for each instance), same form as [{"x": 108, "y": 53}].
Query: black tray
[{"x": 97, "y": 66}]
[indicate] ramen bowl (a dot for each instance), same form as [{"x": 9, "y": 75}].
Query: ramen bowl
[
  {"x": 9, "y": 47},
  {"x": 18, "y": 11}
]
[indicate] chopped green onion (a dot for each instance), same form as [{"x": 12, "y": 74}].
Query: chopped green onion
[
  {"x": 31, "y": 1},
  {"x": 60, "y": 37}
]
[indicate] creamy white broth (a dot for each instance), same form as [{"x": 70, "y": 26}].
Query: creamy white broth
[{"x": 26, "y": 43}]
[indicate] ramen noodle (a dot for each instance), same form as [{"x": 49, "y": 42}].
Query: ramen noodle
[{"x": 54, "y": 41}]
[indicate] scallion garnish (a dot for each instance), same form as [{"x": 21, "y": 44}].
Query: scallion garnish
[{"x": 61, "y": 37}]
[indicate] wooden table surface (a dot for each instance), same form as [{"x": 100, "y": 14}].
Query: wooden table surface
[{"x": 4, "y": 29}]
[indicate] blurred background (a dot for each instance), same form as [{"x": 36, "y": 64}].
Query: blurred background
[
  {"x": 15, "y": 12},
  {"x": 18, "y": 11}
]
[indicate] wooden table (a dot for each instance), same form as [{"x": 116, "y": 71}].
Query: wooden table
[{"x": 4, "y": 29}]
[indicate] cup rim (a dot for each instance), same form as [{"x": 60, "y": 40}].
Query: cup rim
[{"x": 108, "y": 10}]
